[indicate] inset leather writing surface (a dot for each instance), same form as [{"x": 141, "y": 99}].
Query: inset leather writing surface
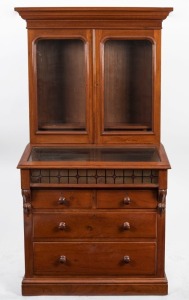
[{"x": 149, "y": 154}]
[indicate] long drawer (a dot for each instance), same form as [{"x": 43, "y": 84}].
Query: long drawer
[
  {"x": 62, "y": 198},
  {"x": 95, "y": 224},
  {"x": 94, "y": 258},
  {"x": 127, "y": 198}
]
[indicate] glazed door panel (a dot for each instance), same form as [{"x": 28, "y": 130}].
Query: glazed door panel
[
  {"x": 125, "y": 86},
  {"x": 61, "y": 86}
]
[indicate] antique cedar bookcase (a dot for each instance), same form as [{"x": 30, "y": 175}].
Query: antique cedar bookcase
[{"x": 94, "y": 176}]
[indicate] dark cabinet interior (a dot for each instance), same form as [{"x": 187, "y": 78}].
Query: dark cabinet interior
[
  {"x": 128, "y": 85},
  {"x": 94, "y": 86},
  {"x": 61, "y": 81},
  {"x": 61, "y": 85}
]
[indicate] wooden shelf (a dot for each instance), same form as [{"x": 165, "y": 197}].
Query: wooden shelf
[
  {"x": 62, "y": 126},
  {"x": 122, "y": 126}
]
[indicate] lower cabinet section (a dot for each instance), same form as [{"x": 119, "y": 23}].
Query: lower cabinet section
[
  {"x": 94, "y": 241},
  {"x": 94, "y": 258}
]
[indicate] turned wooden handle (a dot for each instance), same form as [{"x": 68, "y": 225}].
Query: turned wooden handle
[
  {"x": 62, "y": 226},
  {"x": 62, "y": 200},
  {"x": 126, "y": 200},
  {"x": 62, "y": 259},
  {"x": 126, "y": 226},
  {"x": 126, "y": 259}
]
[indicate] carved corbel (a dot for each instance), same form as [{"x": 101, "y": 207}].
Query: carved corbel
[
  {"x": 162, "y": 201},
  {"x": 26, "y": 194}
]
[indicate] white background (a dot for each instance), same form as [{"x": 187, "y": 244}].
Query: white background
[{"x": 14, "y": 135}]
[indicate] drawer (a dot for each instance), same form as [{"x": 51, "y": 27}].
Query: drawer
[
  {"x": 58, "y": 198},
  {"x": 95, "y": 258},
  {"x": 143, "y": 198},
  {"x": 96, "y": 225}
]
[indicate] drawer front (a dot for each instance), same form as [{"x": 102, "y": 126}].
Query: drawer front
[
  {"x": 95, "y": 258},
  {"x": 96, "y": 225},
  {"x": 62, "y": 199},
  {"x": 127, "y": 198}
]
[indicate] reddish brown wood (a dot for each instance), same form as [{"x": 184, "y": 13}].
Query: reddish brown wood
[
  {"x": 118, "y": 111},
  {"x": 161, "y": 231},
  {"x": 50, "y": 198},
  {"x": 139, "y": 198},
  {"x": 162, "y": 201},
  {"x": 26, "y": 194},
  {"x": 95, "y": 286},
  {"x": 59, "y": 94},
  {"x": 94, "y": 17},
  {"x": 27, "y": 209},
  {"x": 94, "y": 89},
  {"x": 163, "y": 179},
  {"x": 106, "y": 225},
  {"x": 25, "y": 179},
  {"x": 94, "y": 259}
]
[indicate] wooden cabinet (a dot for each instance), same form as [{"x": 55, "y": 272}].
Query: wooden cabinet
[{"x": 94, "y": 175}]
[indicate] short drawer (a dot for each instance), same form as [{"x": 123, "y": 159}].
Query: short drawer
[
  {"x": 95, "y": 258},
  {"x": 142, "y": 198},
  {"x": 58, "y": 198},
  {"x": 96, "y": 225}
]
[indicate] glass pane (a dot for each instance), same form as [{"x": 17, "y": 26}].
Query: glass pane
[
  {"x": 94, "y": 154},
  {"x": 61, "y": 84},
  {"x": 127, "y": 85}
]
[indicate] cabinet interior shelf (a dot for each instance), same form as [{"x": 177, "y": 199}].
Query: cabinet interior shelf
[
  {"x": 62, "y": 126},
  {"x": 123, "y": 126}
]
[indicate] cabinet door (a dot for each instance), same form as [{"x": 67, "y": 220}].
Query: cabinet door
[
  {"x": 127, "y": 86},
  {"x": 60, "y": 84}
]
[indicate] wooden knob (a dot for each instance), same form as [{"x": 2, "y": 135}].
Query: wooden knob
[
  {"x": 62, "y": 200},
  {"x": 126, "y": 259},
  {"x": 62, "y": 259},
  {"x": 62, "y": 226},
  {"x": 126, "y": 226},
  {"x": 126, "y": 200}
]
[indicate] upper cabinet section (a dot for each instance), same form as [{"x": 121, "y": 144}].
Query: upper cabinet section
[{"x": 94, "y": 74}]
